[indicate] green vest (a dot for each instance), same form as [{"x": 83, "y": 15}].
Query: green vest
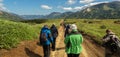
[{"x": 74, "y": 41}]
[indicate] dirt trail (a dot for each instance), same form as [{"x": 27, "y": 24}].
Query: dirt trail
[
  {"x": 90, "y": 49},
  {"x": 60, "y": 47},
  {"x": 31, "y": 49}
]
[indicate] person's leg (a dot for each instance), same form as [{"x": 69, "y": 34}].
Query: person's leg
[
  {"x": 76, "y": 55},
  {"x": 107, "y": 52},
  {"x": 114, "y": 48},
  {"x": 53, "y": 44},
  {"x": 69, "y": 55},
  {"x": 46, "y": 49}
]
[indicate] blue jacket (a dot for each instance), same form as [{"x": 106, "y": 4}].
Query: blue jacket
[{"x": 48, "y": 36}]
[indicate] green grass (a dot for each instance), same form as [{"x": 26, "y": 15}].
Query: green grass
[
  {"x": 97, "y": 27},
  {"x": 12, "y": 33}
]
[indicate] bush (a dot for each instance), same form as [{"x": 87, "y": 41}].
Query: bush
[
  {"x": 103, "y": 27},
  {"x": 12, "y": 33},
  {"x": 117, "y": 22}
]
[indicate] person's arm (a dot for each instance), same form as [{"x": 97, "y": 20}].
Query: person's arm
[
  {"x": 106, "y": 38},
  {"x": 67, "y": 39},
  {"x": 116, "y": 39},
  {"x": 40, "y": 36},
  {"x": 81, "y": 38}
]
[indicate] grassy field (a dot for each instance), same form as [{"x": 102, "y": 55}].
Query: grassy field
[
  {"x": 97, "y": 28},
  {"x": 12, "y": 33}
]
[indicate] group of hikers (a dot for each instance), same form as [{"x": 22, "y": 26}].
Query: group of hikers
[
  {"x": 73, "y": 40},
  {"x": 48, "y": 36}
]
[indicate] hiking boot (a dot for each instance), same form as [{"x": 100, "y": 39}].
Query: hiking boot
[{"x": 53, "y": 49}]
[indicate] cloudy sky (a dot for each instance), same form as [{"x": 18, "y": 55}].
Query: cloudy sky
[{"x": 43, "y": 7}]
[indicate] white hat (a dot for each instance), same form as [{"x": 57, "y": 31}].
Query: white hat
[{"x": 73, "y": 27}]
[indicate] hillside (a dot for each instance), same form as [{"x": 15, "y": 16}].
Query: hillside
[
  {"x": 53, "y": 15},
  {"x": 32, "y": 16},
  {"x": 109, "y": 10},
  {"x": 9, "y": 16}
]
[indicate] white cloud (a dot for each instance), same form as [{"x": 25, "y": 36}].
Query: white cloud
[
  {"x": 70, "y": 8},
  {"x": 67, "y": 8},
  {"x": 71, "y": 1},
  {"x": 77, "y": 8},
  {"x": 46, "y": 7},
  {"x": 92, "y": 4},
  {"x": 2, "y": 7},
  {"x": 86, "y": 1},
  {"x": 1, "y": 4},
  {"x": 95, "y": 3},
  {"x": 1, "y": 0},
  {"x": 81, "y": 7}
]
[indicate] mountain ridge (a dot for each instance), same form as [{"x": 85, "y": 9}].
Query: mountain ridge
[
  {"x": 9, "y": 16},
  {"x": 110, "y": 10}
]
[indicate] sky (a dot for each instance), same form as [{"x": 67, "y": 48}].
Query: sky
[{"x": 43, "y": 7}]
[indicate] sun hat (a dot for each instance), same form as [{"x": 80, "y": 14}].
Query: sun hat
[{"x": 73, "y": 27}]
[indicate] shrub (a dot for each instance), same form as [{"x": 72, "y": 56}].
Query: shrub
[
  {"x": 103, "y": 27},
  {"x": 117, "y": 22}
]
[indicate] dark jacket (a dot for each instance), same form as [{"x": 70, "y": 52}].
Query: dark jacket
[
  {"x": 54, "y": 31},
  {"x": 67, "y": 30}
]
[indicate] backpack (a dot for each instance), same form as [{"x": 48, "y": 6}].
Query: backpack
[{"x": 43, "y": 37}]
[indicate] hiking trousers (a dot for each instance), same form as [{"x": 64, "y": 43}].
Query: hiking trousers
[
  {"x": 46, "y": 50},
  {"x": 54, "y": 44},
  {"x": 73, "y": 55}
]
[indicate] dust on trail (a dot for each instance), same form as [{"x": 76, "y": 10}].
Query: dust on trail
[{"x": 32, "y": 49}]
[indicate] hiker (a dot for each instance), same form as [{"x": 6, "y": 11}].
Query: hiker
[
  {"x": 54, "y": 32},
  {"x": 67, "y": 27},
  {"x": 45, "y": 40},
  {"x": 73, "y": 42},
  {"x": 110, "y": 42}
]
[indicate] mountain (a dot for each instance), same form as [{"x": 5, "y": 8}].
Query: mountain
[
  {"x": 109, "y": 10},
  {"x": 65, "y": 14},
  {"x": 58, "y": 15},
  {"x": 9, "y": 16},
  {"x": 32, "y": 16},
  {"x": 53, "y": 15}
]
